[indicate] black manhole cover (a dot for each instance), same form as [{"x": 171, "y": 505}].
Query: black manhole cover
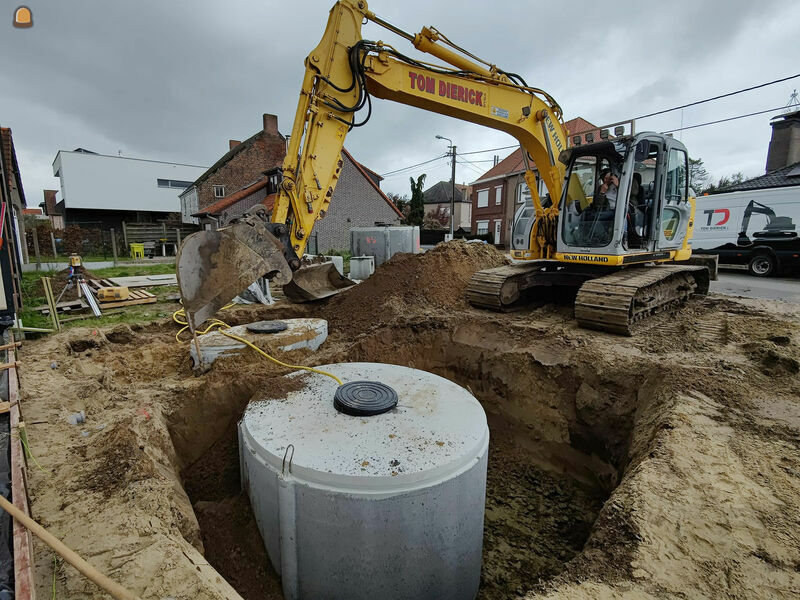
[
  {"x": 364, "y": 398},
  {"x": 266, "y": 326}
]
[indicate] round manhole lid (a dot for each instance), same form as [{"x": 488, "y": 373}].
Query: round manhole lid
[
  {"x": 267, "y": 326},
  {"x": 364, "y": 398}
]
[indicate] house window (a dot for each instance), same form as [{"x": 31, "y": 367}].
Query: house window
[
  {"x": 498, "y": 195},
  {"x": 173, "y": 183},
  {"x": 482, "y": 226},
  {"x": 219, "y": 191},
  {"x": 483, "y": 198}
]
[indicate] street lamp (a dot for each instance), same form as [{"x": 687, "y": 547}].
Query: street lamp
[{"x": 453, "y": 181}]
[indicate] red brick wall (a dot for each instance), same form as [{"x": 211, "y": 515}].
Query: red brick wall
[
  {"x": 264, "y": 151},
  {"x": 493, "y": 211}
]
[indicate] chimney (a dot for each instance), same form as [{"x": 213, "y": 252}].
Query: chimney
[
  {"x": 50, "y": 201},
  {"x": 271, "y": 124},
  {"x": 784, "y": 147},
  {"x": 233, "y": 143}
]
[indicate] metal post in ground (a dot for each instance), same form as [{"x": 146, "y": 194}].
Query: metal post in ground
[
  {"x": 53, "y": 241},
  {"x": 177, "y": 240},
  {"x": 125, "y": 236}
]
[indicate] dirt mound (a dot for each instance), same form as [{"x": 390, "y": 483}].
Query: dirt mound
[
  {"x": 60, "y": 280},
  {"x": 437, "y": 278}
]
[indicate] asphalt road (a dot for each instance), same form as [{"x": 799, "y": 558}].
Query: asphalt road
[{"x": 735, "y": 283}]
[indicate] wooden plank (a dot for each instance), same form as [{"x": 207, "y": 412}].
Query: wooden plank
[
  {"x": 9, "y": 365},
  {"x": 146, "y": 280},
  {"x": 23, "y": 541},
  {"x": 4, "y": 407},
  {"x": 150, "y": 299}
]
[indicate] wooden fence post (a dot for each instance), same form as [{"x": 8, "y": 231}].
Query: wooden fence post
[
  {"x": 114, "y": 245},
  {"x": 36, "y": 248},
  {"x": 125, "y": 236}
]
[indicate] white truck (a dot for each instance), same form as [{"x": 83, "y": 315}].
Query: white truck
[{"x": 756, "y": 228}]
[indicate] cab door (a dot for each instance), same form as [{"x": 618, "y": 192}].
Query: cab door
[{"x": 674, "y": 211}]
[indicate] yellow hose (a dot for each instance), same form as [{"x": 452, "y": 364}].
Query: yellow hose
[{"x": 179, "y": 316}]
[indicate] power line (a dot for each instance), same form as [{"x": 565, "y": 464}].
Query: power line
[
  {"x": 761, "y": 112},
  {"x": 755, "y": 87},
  {"x": 489, "y": 150},
  {"x": 384, "y": 175},
  {"x": 469, "y": 166},
  {"x": 420, "y": 169}
]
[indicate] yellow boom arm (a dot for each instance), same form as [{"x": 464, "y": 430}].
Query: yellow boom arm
[{"x": 342, "y": 72}]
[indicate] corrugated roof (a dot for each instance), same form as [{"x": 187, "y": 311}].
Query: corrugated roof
[
  {"x": 785, "y": 177},
  {"x": 513, "y": 163}
]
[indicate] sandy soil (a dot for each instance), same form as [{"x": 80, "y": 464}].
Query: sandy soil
[{"x": 663, "y": 465}]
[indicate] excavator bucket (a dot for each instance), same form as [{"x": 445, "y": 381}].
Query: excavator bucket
[
  {"x": 316, "y": 282},
  {"x": 214, "y": 266}
]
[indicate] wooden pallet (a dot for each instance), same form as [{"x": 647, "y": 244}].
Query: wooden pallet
[
  {"x": 96, "y": 284},
  {"x": 135, "y": 297}
]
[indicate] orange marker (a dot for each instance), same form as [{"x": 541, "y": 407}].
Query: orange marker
[{"x": 23, "y": 17}]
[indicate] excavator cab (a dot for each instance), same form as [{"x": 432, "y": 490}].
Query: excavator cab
[{"x": 624, "y": 196}]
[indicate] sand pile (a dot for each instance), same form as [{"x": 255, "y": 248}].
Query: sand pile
[{"x": 436, "y": 279}]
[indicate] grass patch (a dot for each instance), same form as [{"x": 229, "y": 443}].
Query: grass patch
[{"x": 33, "y": 296}]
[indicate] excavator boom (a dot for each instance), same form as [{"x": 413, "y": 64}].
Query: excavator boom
[{"x": 341, "y": 75}]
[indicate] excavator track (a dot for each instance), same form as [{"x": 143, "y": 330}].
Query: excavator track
[
  {"x": 622, "y": 301},
  {"x": 500, "y": 288}
]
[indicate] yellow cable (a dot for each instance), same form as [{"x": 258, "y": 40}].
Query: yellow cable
[
  {"x": 222, "y": 325},
  {"x": 275, "y": 360}
]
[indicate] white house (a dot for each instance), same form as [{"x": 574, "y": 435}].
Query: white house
[{"x": 101, "y": 190}]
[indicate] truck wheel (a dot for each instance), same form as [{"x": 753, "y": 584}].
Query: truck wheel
[{"x": 761, "y": 265}]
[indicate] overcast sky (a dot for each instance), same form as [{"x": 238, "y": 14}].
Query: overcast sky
[{"x": 174, "y": 81}]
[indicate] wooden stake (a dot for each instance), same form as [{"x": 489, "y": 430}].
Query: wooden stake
[{"x": 69, "y": 555}]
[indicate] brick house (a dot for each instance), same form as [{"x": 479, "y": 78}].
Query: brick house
[
  {"x": 53, "y": 209},
  {"x": 12, "y": 186},
  {"x": 243, "y": 165},
  {"x": 357, "y": 200},
  {"x": 500, "y": 191}
]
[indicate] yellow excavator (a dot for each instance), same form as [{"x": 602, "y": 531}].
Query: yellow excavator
[{"x": 616, "y": 225}]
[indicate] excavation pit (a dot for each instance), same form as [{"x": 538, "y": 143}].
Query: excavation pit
[
  {"x": 542, "y": 497},
  {"x": 659, "y": 465}
]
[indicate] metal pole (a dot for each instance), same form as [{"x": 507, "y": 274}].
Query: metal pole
[
  {"x": 177, "y": 240},
  {"x": 53, "y": 241},
  {"x": 453, "y": 197},
  {"x": 125, "y": 236}
]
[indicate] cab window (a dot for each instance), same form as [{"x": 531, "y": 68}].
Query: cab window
[{"x": 677, "y": 182}]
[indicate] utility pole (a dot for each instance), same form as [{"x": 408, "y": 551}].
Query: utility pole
[
  {"x": 453, "y": 183},
  {"x": 453, "y": 196}
]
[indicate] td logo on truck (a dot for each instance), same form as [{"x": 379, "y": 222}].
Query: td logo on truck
[{"x": 723, "y": 213}]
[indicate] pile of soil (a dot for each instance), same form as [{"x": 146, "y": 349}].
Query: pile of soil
[{"x": 436, "y": 279}]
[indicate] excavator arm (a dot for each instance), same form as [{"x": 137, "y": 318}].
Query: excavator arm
[{"x": 342, "y": 73}]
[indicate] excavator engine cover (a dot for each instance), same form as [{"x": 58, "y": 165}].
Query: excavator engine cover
[{"x": 214, "y": 266}]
